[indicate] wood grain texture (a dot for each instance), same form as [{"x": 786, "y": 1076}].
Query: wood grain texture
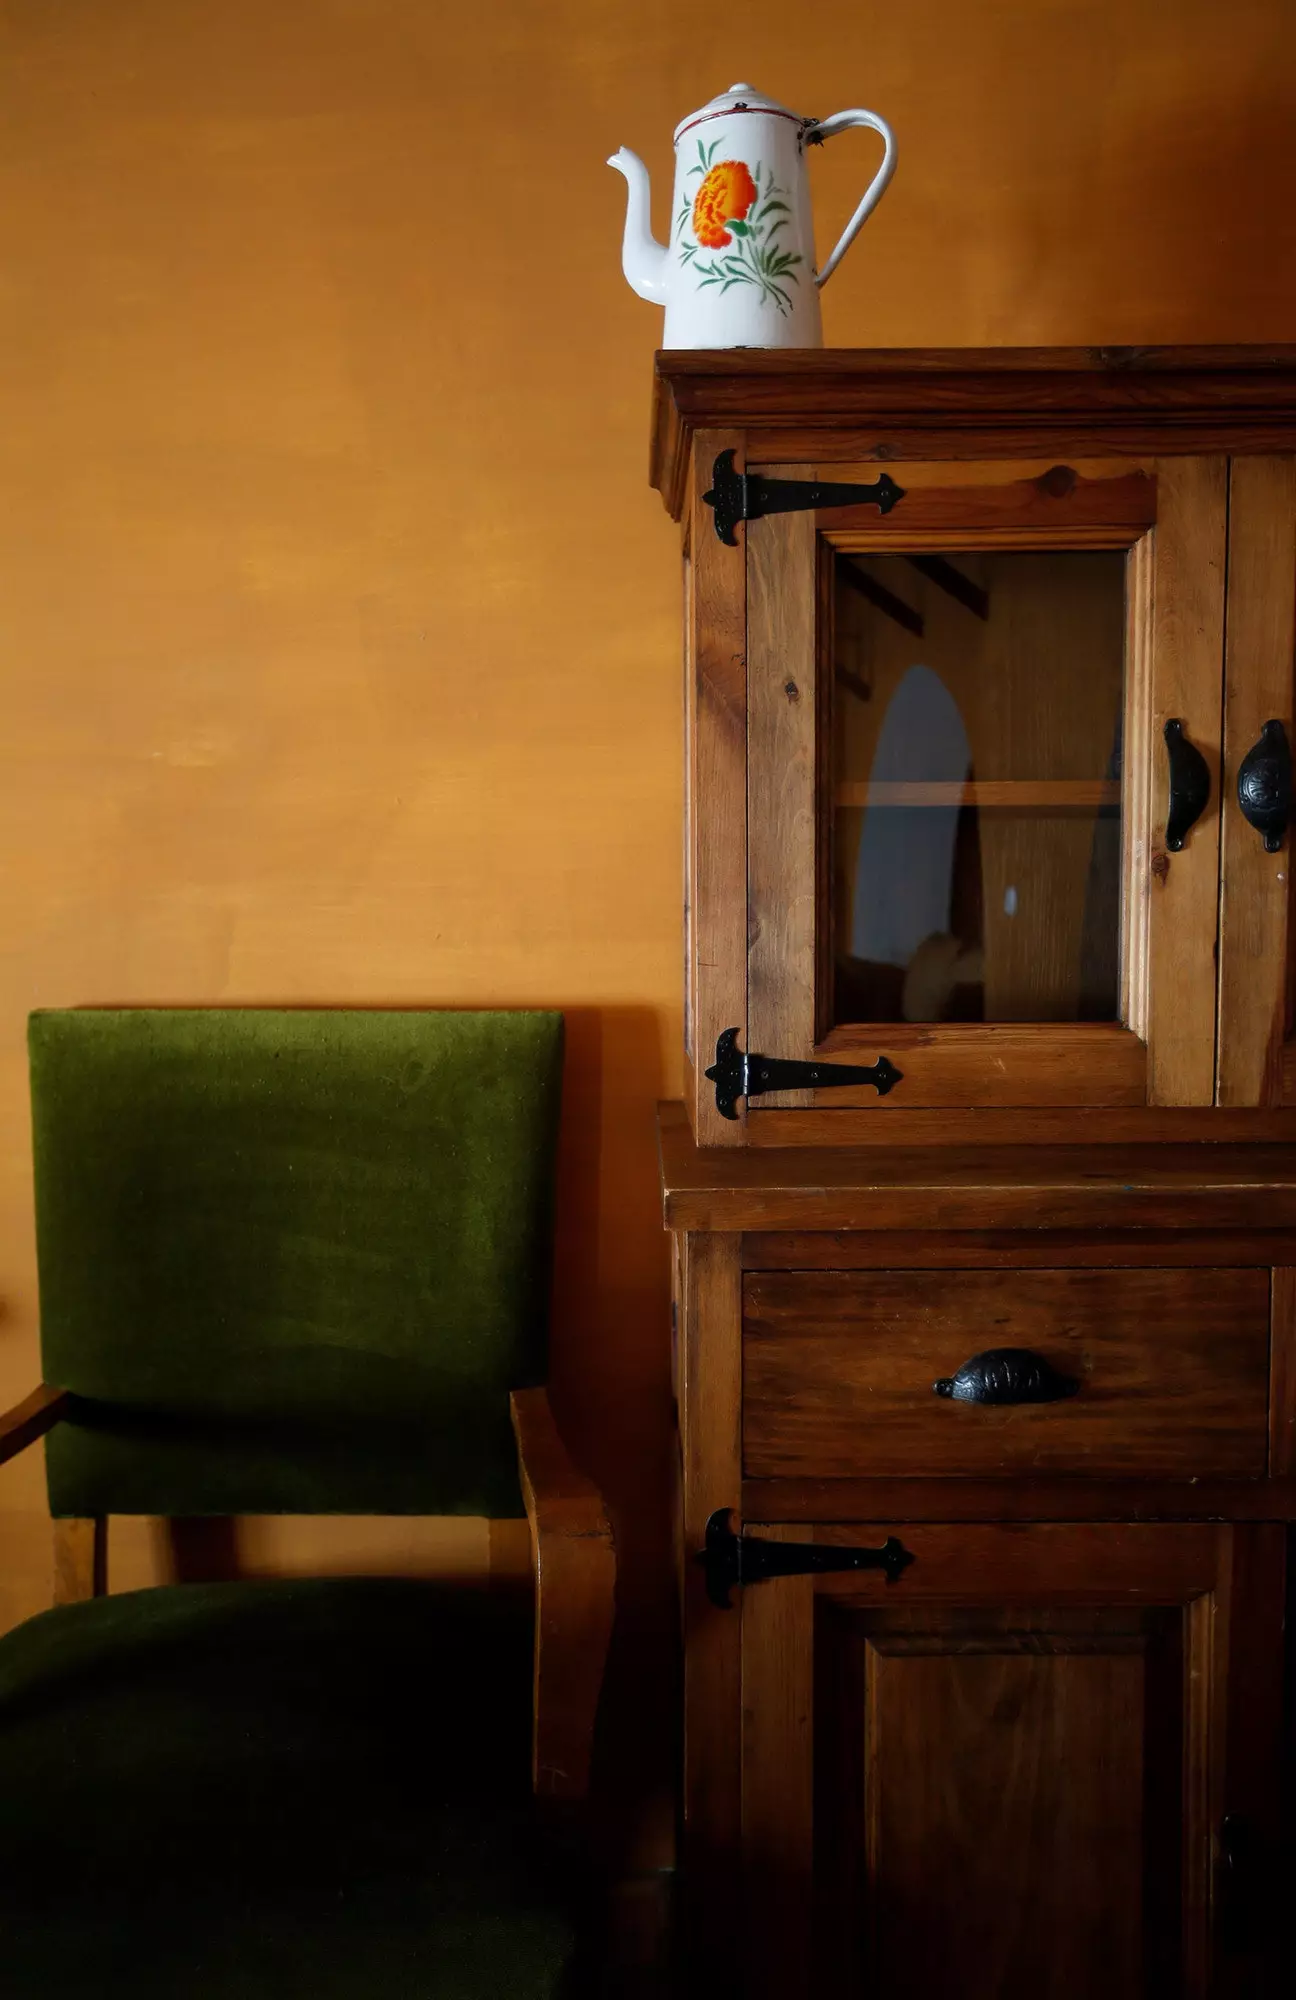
[
  {"x": 1188, "y": 557},
  {"x": 1248, "y": 1779},
  {"x": 1282, "y": 1384},
  {"x": 1050, "y": 506},
  {"x": 782, "y": 704},
  {"x": 689, "y": 804},
  {"x": 1172, "y": 1370},
  {"x": 30, "y": 1420},
  {"x": 1089, "y": 400},
  {"x": 943, "y": 442},
  {"x": 1007, "y": 1250},
  {"x": 575, "y": 1583},
  {"x": 1255, "y": 887},
  {"x": 80, "y": 1558},
  {"x": 1048, "y": 1562},
  {"x": 1013, "y": 1748},
  {"x": 1019, "y": 1499},
  {"x": 717, "y": 773},
  {"x": 778, "y": 1804},
  {"x": 986, "y": 1065},
  {"x": 710, "y": 1400},
  {"x": 1189, "y": 1187},
  {"x": 1041, "y": 1125},
  {"x": 1137, "y": 839}
]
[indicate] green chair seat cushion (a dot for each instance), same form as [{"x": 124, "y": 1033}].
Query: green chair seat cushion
[
  {"x": 313, "y": 1244},
  {"x": 257, "y": 1790}
]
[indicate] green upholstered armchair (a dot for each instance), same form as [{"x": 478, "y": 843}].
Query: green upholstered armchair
[{"x": 297, "y": 1262}]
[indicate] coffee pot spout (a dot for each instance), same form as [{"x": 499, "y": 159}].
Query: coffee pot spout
[{"x": 643, "y": 258}]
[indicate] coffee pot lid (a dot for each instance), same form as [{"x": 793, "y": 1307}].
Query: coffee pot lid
[{"x": 738, "y": 98}]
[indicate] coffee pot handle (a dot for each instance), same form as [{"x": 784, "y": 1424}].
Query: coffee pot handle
[{"x": 827, "y": 128}]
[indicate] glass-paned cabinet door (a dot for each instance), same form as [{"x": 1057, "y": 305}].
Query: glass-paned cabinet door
[
  {"x": 974, "y": 824},
  {"x": 971, "y": 846}
]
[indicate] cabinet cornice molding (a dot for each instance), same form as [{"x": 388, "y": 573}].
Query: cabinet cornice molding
[{"x": 896, "y": 403}]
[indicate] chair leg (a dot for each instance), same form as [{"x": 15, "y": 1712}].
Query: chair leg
[{"x": 80, "y": 1558}]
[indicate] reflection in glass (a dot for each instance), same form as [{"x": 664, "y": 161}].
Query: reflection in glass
[{"x": 976, "y": 839}]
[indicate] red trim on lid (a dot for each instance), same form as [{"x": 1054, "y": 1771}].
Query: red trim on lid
[{"x": 741, "y": 110}]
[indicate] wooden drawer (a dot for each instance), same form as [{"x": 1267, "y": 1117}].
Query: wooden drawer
[{"x": 1172, "y": 1370}]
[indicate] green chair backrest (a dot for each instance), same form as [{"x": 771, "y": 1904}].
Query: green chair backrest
[{"x": 292, "y": 1261}]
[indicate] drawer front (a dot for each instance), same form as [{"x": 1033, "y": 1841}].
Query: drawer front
[{"x": 1171, "y": 1369}]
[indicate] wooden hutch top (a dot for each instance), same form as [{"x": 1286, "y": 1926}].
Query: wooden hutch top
[{"x": 912, "y": 403}]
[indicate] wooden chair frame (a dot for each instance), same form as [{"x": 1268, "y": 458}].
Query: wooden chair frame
[{"x": 573, "y": 1564}]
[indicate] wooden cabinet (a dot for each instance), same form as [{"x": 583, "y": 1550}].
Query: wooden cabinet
[
  {"x": 930, "y": 804},
  {"x": 1000, "y": 1778},
  {"x": 989, "y": 680}
]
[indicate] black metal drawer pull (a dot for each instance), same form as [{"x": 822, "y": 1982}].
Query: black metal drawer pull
[
  {"x": 730, "y": 1560},
  {"x": 1006, "y": 1375},
  {"x": 737, "y": 1075},
  {"x": 1189, "y": 785},
  {"x": 1265, "y": 785},
  {"x": 749, "y": 496}
]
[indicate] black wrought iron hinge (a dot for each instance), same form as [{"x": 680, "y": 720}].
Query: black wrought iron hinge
[
  {"x": 730, "y": 1561},
  {"x": 737, "y": 1075},
  {"x": 749, "y": 496}
]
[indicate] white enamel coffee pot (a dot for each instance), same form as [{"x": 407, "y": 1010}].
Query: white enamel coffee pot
[{"x": 739, "y": 270}]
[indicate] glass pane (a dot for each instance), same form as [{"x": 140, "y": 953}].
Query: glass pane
[{"x": 977, "y": 796}]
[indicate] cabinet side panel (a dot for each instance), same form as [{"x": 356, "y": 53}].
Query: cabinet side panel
[
  {"x": 1282, "y": 1378},
  {"x": 1255, "y": 887},
  {"x": 781, "y": 845},
  {"x": 777, "y": 1782},
  {"x": 1187, "y": 666},
  {"x": 718, "y": 788},
  {"x": 690, "y": 739},
  {"x": 709, "y": 1397},
  {"x": 1252, "y": 1926}
]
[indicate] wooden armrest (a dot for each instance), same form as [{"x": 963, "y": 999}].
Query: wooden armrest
[
  {"x": 575, "y": 1573},
  {"x": 30, "y": 1419}
]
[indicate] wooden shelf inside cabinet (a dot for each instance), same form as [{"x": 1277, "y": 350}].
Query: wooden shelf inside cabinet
[{"x": 1010, "y": 794}]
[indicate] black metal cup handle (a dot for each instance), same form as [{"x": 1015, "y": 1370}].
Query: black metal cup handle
[
  {"x": 1006, "y": 1375},
  {"x": 1264, "y": 785},
  {"x": 1189, "y": 785}
]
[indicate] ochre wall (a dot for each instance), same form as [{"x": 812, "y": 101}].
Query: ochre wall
[{"x": 339, "y": 625}]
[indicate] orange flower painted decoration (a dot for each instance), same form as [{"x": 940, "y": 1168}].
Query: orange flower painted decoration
[{"x": 726, "y": 194}]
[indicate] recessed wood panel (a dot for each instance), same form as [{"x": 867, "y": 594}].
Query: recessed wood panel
[
  {"x": 1018, "y": 1759},
  {"x": 1170, "y": 1370},
  {"x": 1019, "y": 1820}
]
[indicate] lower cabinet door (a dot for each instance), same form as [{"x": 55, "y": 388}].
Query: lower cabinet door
[{"x": 1041, "y": 1765}]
